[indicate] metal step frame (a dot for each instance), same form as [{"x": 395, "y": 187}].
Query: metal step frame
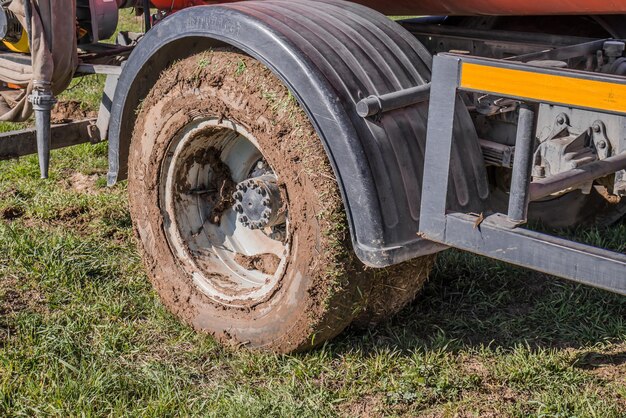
[{"x": 500, "y": 236}]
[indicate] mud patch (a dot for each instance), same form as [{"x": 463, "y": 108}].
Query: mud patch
[
  {"x": 222, "y": 183},
  {"x": 14, "y": 300},
  {"x": 364, "y": 407},
  {"x": 609, "y": 366},
  {"x": 11, "y": 213},
  {"x": 71, "y": 213},
  {"x": 70, "y": 110},
  {"x": 265, "y": 263},
  {"x": 83, "y": 183}
]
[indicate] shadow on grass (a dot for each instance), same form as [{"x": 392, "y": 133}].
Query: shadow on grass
[
  {"x": 595, "y": 360},
  {"x": 473, "y": 302}
]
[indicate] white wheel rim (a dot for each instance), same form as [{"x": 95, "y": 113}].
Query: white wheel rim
[{"x": 207, "y": 251}]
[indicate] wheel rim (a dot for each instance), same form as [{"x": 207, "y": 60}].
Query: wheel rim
[{"x": 231, "y": 263}]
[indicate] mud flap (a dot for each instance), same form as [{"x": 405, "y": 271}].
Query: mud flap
[{"x": 330, "y": 54}]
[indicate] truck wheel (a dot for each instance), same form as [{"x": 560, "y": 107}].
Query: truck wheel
[{"x": 238, "y": 214}]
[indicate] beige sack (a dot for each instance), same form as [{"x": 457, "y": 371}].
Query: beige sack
[{"x": 53, "y": 51}]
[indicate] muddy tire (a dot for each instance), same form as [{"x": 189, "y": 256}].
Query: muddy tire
[{"x": 214, "y": 127}]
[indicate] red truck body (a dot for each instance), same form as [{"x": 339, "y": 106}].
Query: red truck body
[{"x": 461, "y": 7}]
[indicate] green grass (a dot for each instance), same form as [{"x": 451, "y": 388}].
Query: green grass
[{"x": 83, "y": 334}]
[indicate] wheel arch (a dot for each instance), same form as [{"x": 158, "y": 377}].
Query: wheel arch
[{"x": 366, "y": 155}]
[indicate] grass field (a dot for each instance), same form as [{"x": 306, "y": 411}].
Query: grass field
[{"x": 83, "y": 334}]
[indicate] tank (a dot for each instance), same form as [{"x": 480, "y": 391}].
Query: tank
[
  {"x": 463, "y": 7},
  {"x": 496, "y": 7}
]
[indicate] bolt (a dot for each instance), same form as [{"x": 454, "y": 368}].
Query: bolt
[
  {"x": 597, "y": 128},
  {"x": 560, "y": 120},
  {"x": 601, "y": 144}
]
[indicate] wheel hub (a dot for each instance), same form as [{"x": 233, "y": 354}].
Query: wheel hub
[
  {"x": 233, "y": 264},
  {"x": 258, "y": 203}
]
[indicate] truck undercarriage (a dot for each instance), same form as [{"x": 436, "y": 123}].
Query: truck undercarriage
[{"x": 402, "y": 138}]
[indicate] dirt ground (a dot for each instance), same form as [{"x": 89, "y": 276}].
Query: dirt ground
[{"x": 71, "y": 110}]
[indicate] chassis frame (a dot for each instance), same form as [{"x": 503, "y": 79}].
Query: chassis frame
[{"x": 500, "y": 236}]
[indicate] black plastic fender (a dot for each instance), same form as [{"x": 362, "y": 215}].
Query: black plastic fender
[{"x": 330, "y": 54}]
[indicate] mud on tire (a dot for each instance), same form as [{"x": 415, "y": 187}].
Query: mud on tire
[{"x": 318, "y": 287}]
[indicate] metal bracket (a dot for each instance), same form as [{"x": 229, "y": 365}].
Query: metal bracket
[
  {"x": 375, "y": 105},
  {"x": 600, "y": 140},
  {"x": 496, "y": 236}
]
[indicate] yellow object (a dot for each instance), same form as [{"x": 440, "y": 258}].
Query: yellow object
[
  {"x": 19, "y": 46},
  {"x": 81, "y": 33},
  {"x": 573, "y": 91}
]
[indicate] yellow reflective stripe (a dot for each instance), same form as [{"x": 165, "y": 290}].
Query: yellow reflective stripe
[{"x": 571, "y": 91}]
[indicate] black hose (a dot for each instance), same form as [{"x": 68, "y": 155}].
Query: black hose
[{"x": 146, "y": 14}]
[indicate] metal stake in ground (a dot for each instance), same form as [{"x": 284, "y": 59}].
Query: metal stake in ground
[{"x": 43, "y": 101}]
